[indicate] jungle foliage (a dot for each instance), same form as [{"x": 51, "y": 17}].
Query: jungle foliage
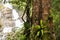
[{"x": 29, "y": 31}]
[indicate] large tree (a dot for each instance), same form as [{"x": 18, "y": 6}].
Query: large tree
[
  {"x": 35, "y": 19},
  {"x": 41, "y": 10},
  {"x": 47, "y": 16}
]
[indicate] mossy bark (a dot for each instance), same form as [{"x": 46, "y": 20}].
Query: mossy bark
[{"x": 46, "y": 15}]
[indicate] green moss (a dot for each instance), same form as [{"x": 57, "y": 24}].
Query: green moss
[{"x": 27, "y": 25}]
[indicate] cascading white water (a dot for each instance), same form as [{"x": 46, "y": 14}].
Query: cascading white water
[
  {"x": 16, "y": 19},
  {"x": 18, "y": 23}
]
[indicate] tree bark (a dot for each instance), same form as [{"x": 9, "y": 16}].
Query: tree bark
[
  {"x": 36, "y": 17},
  {"x": 41, "y": 11},
  {"x": 36, "y": 11},
  {"x": 46, "y": 15}
]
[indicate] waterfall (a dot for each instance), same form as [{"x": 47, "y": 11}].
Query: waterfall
[
  {"x": 15, "y": 18},
  {"x": 15, "y": 15},
  {"x": 18, "y": 23}
]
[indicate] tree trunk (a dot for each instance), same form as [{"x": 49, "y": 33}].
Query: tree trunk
[
  {"x": 41, "y": 11},
  {"x": 36, "y": 17},
  {"x": 50, "y": 22},
  {"x": 36, "y": 12},
  {"x": 46, "y": 15}
]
